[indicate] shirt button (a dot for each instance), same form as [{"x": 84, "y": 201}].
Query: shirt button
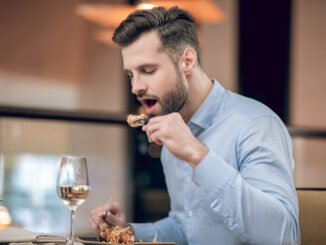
[
  {"x": 230, "y": 223},
  {"x": 189, "y": 213},
  {"x": 188, "y": 178}
]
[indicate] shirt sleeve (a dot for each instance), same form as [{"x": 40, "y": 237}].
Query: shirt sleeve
[
  {"x": 257, "y": 201},
  {"x": 166, "y": 230}
]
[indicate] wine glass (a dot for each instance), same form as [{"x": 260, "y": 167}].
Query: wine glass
[{"x": 73, "y": 186}]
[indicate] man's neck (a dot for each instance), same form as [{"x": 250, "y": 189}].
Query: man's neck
[{"x": 199, "y": 88}]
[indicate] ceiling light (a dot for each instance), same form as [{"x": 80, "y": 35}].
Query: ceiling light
[{"x": 145, "y": 6}]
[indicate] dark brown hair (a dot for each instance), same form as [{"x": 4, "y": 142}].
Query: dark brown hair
[{"x": 174, "y": 26}]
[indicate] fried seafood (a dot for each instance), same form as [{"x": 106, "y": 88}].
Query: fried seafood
[
  {"x": 116, "y": 234},
  {"x": 136, "y": 120}
]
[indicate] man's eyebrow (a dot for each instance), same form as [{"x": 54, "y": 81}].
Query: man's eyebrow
[
  {"x": 142, "y": 66},
  {"x": 146, "y": 65}
]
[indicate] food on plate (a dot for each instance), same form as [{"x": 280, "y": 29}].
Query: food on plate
[
  {"x": 136, "y": 120},
  {"x": 115, "y": 234}
]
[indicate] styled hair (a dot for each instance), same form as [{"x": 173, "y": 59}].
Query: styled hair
[{"x": 174, "y": 26}]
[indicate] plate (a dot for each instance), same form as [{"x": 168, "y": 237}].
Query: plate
[{"x": 93, "y": 240}]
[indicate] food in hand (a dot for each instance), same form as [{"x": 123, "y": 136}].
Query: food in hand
[
  {"x": 116, "y": 234},
  {"x": 136, "y": 120}
]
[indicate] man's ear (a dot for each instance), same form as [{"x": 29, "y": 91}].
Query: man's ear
[{"x": 188, "y": 61}]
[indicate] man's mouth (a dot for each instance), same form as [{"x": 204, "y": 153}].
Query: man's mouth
[{"x": 150, "y": 105}]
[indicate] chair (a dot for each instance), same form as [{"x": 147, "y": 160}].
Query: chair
[{"x": 312, "y": 216}]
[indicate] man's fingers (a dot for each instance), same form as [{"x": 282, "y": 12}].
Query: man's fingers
[
  {"x": 151, "y": 130},
  {"x": 155, "y": 137},
  {"x": 99, "y": 211},
  {"x": 153, "y": 121},
  {"x": 115, "y": 208},
  {"x": 115, "y": 219},
  {"x": 95, "y": 222},
  {"x": 114, "y": 216}
]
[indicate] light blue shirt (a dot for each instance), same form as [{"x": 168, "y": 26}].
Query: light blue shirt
[{"x": 242, "y": 192}]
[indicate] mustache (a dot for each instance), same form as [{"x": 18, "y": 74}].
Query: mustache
[{"x": 148, "y": 96}]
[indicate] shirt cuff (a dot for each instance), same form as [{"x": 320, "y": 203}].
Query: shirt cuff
[
  {"x": 143, "y": 231},
  {"x": 213, "y": 174}
]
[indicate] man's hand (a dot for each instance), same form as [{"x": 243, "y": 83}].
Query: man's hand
[
  {"x": 170, "y": 130},
  {"x": 114, "y": 216}
]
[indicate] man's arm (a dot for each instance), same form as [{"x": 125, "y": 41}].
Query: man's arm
[
  {"x": 258, "y": 203},
  {"x": 165, "y": 230}
]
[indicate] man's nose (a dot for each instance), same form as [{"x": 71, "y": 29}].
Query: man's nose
[{"x": 138, "y": 86}]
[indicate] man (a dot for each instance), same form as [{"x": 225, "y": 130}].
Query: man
[{"x": 227, "y": 159}]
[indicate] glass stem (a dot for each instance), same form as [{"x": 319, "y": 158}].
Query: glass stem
[{"x": 72, "y": 227}]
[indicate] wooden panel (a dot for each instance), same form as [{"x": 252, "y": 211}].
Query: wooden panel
[
  {"x": 41, "y": 38},
  {"x": 312, "y": 216},
  {"x": 308, "y": 85}
]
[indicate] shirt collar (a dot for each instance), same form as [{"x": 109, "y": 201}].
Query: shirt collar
[{"x": 205, "y": 115}]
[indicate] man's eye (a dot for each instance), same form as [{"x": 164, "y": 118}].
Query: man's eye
[
  {"x": 129, "y": 75},
  {"x": 149, "y": 71}
]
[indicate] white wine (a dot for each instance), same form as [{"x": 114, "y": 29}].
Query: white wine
[
  {"x": 73, "y": 196},
  {"x": 73, "y": 186}
]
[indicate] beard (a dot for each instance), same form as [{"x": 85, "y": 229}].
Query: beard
[{"x": 174, "y": 100}]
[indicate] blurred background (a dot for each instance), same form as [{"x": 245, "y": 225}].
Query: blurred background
[{"x": 63, "y": 91}]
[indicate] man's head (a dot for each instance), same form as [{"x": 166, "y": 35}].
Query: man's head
[
  {"x": 175, "y": 27},
  {"x": 159, "y": 50}
]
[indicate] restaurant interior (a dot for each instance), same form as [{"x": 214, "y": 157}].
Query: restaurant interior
[{"x": 63, "y": 92}]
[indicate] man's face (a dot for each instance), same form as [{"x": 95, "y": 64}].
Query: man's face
[{"x": 157, "y": 82}]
